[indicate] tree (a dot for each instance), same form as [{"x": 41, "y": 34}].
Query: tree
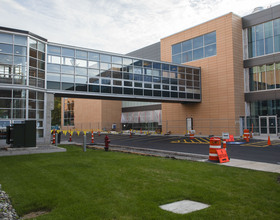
[{"x": 56, "y": 113}]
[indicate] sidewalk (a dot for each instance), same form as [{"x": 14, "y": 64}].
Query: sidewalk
[
  {"x": 246, "y": 164},
  {"x": 260, "y": 166},
  {"x": 252, "y": 165}
]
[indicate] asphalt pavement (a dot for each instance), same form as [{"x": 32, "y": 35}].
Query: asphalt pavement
[{"x": 256, "y": 150}]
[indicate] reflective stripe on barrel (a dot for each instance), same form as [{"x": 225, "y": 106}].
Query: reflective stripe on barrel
[
  {"x": 246, "y": 133},
  {"x": 191, "y": 136},
  {"x": 215, "y": 143}
]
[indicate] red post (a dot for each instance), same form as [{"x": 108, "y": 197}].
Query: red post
[
  {"x": 53, "y": 142},
  {"x": 92, "y": 137},
  {"x": 70, "y": 137}
]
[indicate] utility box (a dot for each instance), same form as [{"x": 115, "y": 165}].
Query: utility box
[{"x": 22, "y": 135}]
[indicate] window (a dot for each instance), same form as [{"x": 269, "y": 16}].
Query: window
[
  {"x": 263, "y": 77},
  {"x": 194, "y": 49},
  {"x": 67, "y": 52},
  {"x": 53, "y": 50},
  {"x": 6, "y": 48},
  {"x": 81, "y": 54},
  {"x": 264, "y": 38}
]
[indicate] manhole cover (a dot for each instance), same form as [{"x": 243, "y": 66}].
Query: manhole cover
[{"x": 184, "y": 206}]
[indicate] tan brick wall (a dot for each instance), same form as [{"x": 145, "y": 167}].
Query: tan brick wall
[
  {"x": 221, "y": 80},
  {"x": 95, "y": 114},
  {"x": 111, "y": 113}
]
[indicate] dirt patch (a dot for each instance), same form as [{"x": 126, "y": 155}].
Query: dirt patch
[{"x": 34, "y": 214}]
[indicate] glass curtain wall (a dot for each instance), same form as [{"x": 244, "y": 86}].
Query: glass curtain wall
[
  {"x": 87, "y": 71},
  {"x": 264, "y": 39},
  {"x": 265, "y": 77},
  {"x": 68, "y": 112},
  {"x": 16, "y": 103},
  {"x": 263, "y": 108},
  {"x": 194, "y": 49}
]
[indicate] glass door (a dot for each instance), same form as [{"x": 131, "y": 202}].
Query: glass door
[
  {"x": 272, "y": 125},
  {"x": 268, "y": 125},
  {"x": 263, "y": 125}
]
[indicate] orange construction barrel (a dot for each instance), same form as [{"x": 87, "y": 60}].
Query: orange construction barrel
[
  {"x": 215, "y": 143},
  {"x": 191, "y": 136},
  {"x": 246, "y": 134}
]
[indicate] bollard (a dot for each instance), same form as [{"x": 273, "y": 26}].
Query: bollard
[
  {"x": 92, "y": 138},
  {"x": 53, "y": 142},
  {"x": 84, "y": 144},
  {"x": 56, "y": 138}
]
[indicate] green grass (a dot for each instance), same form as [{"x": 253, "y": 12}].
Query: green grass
[{"x": 110, "y": 185}]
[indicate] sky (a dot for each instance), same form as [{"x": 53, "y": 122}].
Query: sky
[{"x": 118, "y": 26}]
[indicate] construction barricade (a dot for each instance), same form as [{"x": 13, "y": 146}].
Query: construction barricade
[
  {"x": 246, "y": 135},
  {"x": 215, "y": 143}
]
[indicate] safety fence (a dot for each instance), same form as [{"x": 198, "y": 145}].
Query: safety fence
[{"x": 201, "y": 127}]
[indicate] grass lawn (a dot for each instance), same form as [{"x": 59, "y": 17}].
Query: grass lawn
[{"x": 110, "y": 185}]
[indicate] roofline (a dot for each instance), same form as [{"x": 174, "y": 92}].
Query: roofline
[
  {"x": 23, "y": 32},
  {"x": 117, "y": 54},
  {"x": 200, "y": 24}
]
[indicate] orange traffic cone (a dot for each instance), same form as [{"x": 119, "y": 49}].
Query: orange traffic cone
[{"x": 268, "y": 141}]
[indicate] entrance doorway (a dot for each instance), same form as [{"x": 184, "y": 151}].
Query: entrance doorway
[{"x": 268, "y": 125}]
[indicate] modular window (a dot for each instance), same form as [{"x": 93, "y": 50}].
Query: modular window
[
  {"x": 67, "y": 52},
  {"x": 194, "y": 49},
  {"x": 53, "y": 50},
  {"x": 81, "y": 54},
  {"x": 93, "y": 56},
  {"x": 264, "y": 38},
  {"x": 6, "y": 48},
  {"x": 264, "y": 77}
]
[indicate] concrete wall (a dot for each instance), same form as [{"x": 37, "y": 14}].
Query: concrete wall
[{"x": 49, "y": 102}]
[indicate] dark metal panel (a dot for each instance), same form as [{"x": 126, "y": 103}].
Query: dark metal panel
[
  {"x": 261, "y": 17},
  {"x": 262, "y": 95},
  {"x": 142, "y": 108},
  {"x": 151, "y": 52},
  {"x": 272, "y": 58}
]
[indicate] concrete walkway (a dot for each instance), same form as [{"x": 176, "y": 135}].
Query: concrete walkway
[
  {"x": 267, "y": 167},
  {"x": 6, "y": 150},
  {"x": 252, "y": 165},
  {"x": 30, "y": 150}
]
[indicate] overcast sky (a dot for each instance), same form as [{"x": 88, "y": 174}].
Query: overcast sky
[{"x": 119, "y": 26}]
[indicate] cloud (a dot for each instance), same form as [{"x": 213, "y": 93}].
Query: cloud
[{"x": 118, "y": 26}]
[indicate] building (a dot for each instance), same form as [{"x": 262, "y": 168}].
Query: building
[
  {"x": 33, "y": 71},
  {"x": 219, "y": 76}
]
